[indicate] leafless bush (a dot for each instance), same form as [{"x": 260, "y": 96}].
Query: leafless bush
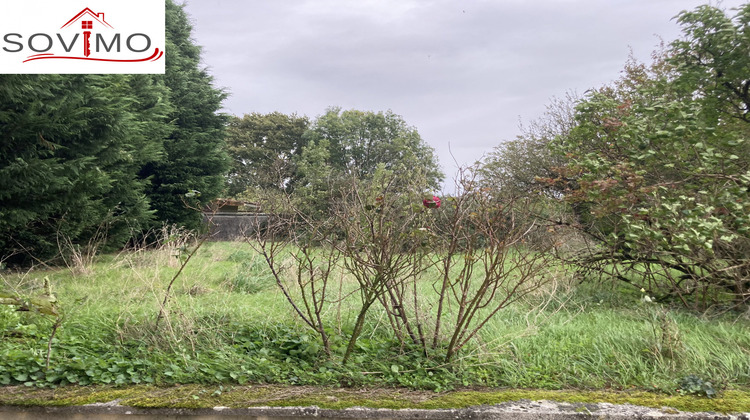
[
  {"x": 384, "y": 247},
  {"x": 487, "y": 263},
  {"x": 289, "y": 242},
  {"x": 381, "y": 235}
]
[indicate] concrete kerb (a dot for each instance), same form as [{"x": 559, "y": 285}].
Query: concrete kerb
[{"x": 518, "y": 410}]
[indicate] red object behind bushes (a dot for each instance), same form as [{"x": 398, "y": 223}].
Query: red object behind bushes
[{"x": 432, "y": 203}]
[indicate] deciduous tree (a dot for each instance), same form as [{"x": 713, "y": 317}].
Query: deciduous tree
[
  {"x": 662, "y": 159},
  {"x": 263, "y": 148},
  {"x": 516, "y": 166},
  {"x": 360, "y": 141}
]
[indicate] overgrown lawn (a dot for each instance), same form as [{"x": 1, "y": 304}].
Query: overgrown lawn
[{"x": 227, "y": 323}]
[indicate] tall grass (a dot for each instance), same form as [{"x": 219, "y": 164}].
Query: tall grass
[{"x": 227, "y": 322}]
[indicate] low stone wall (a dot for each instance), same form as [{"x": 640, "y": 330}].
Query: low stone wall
[{"x": 234, "y": 226}]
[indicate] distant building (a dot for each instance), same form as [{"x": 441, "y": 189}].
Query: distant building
[{"x": 231, "y": 220}]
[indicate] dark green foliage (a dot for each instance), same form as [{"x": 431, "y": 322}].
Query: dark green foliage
[
  {"x": 352, "y": 144},
  {"x": 147, "y": 126},
  {"x": 71, "y": 147},
  {"x": 94, "y": 158},
  {"x": 359, "y": 141},
  {"x": 714, "y": 57},
  {"x": 694, "y": 385},
  {"x": 263, "y": 149},
  {"x": 194, "y": 156}
]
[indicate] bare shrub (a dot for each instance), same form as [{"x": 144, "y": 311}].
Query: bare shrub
[
  {"x": 289, "y": 243},
  {"x": 487, "y": 263},
  {"x": 439, "y": 273}
]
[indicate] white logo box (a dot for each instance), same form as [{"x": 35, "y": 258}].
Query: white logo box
[{"x": 82, "y": 37}]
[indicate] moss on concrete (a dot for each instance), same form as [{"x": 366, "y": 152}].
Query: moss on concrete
[{"x": 199, "y": 396}]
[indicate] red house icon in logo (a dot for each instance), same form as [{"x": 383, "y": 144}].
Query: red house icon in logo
[{"x": 87, "y": 25}]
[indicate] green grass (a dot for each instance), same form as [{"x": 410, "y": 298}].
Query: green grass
[{"x": 228, "y": 323}]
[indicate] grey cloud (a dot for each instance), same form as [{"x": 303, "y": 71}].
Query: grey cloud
[{"x": 461, "y": 72}]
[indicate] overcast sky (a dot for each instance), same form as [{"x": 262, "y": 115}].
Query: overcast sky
[{"x": 463, "y": 72}]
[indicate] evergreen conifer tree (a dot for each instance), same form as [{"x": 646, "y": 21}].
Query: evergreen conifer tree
[{"x": 194, "y": 157}]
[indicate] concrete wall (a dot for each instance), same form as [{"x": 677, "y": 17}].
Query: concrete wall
[{"x": 234, "y": 226}]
